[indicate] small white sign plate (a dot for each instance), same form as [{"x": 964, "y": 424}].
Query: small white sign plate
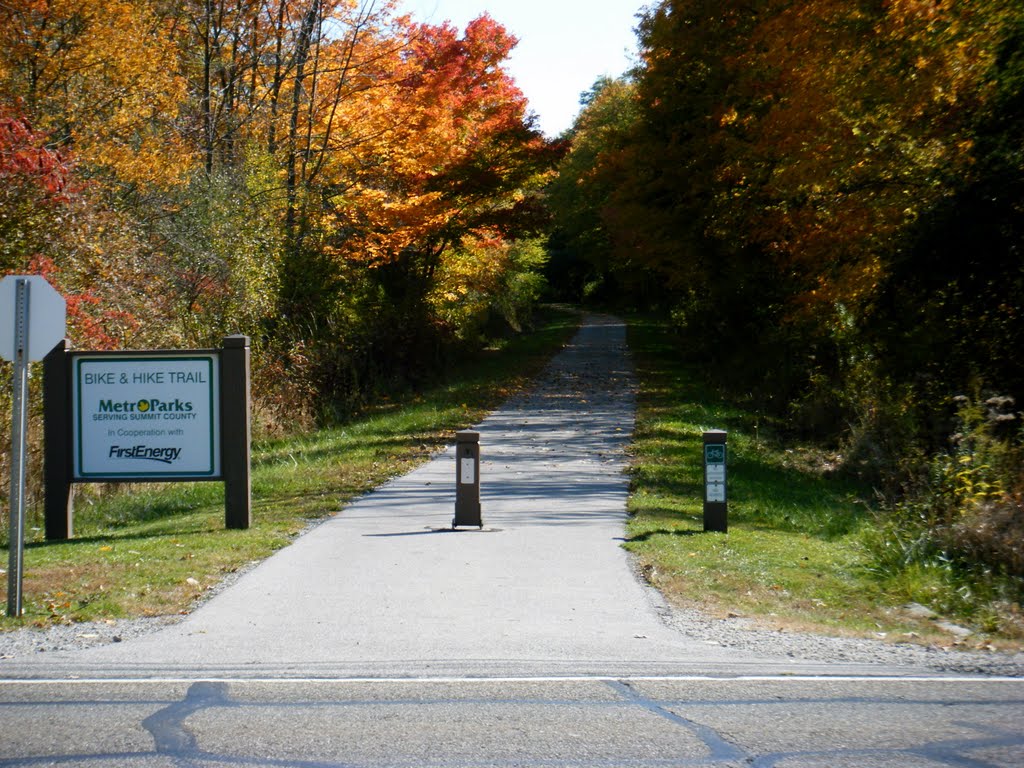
[
  {"x": 715, "y": 491},
  {"x": 715, "y": 473},
  {"x": 467, "y": 471}
]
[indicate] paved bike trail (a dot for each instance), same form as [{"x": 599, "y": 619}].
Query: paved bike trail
[{"x": 385, "y": 588}]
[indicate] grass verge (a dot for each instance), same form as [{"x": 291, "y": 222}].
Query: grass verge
[
  {"x": 148, "y": 550},
  {"x": 794, "y": 556}
]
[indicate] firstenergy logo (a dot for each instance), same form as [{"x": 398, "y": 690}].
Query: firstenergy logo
[{"x": 145, "y": 453}]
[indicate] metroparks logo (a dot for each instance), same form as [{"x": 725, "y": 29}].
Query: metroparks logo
[
  {"x": 149, "y": 410},
  {"x": 146, "y": 409}
]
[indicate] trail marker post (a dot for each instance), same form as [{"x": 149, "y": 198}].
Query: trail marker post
[
  {"x": 467, "y": 479},
  {"x": 32, "y": 319},
  {"x": 716, "y": 510}
]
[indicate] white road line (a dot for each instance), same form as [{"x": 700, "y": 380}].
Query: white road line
[{"x": 539, "y": 679}]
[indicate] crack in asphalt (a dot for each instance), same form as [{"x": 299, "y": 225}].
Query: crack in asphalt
[{"x": 174, "y": 739}]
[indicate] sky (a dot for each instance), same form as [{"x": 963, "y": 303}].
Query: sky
[{"x": 564, "y": 45}]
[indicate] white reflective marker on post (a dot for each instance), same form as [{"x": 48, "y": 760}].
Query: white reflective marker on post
[{"x": 467, "y": 471}]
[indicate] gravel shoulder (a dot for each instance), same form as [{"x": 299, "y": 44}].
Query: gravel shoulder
[
  {"x": 738, "y": 634},
  {"x": 692, "y": 625}
]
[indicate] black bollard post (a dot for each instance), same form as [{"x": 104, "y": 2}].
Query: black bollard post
[
  {"x": 467, "y": 479},
  {"x": 716, "y": 510}
]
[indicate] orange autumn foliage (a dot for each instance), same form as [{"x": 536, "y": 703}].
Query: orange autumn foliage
[
  {"x": 449, "y": 149},
  {"x": 101, "y": 77}
]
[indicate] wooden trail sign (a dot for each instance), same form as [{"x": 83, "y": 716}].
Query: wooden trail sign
[{"x": 147, "y": 416}]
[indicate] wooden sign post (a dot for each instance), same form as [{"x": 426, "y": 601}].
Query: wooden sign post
[{"x": 147, "y": 416}]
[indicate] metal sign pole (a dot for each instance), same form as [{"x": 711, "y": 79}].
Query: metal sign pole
[{"x": 19, "y": 419}]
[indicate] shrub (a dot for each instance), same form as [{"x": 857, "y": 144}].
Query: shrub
[{"x": 960, "y": 518}]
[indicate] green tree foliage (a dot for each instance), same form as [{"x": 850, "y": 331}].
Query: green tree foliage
[
  {"x": 581, "y": 247},
  {"x": 221, "y": 247},
  {"x": 949, "y": 307},
  {"x": 827, "y": 193}
]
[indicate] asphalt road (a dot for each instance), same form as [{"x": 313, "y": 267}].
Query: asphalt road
[
  {"x": 383, "y": 638},
  {"x": 785, "y": 722}
]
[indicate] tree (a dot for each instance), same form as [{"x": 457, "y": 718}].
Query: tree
[
  {"x": 295, "y": 169},
  {"x": 582, "y": 247},
  {"x": 452, "y": 153},
  {"x": 947, "y": 312},
  {"x": 430, "y": 149},
  {"x": 50, "y": 227},
  {"x": 221, "y": 248},
  {"x": 33, "y": 181},
  {"x": 787, "y": 157},
  {"x": 100, "y": 77}
]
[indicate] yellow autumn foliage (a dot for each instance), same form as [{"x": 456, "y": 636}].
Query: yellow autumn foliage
[{"x": 102, "y": 78}]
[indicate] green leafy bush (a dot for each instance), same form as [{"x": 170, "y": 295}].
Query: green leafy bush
[{"x": 955, "y": 538}]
